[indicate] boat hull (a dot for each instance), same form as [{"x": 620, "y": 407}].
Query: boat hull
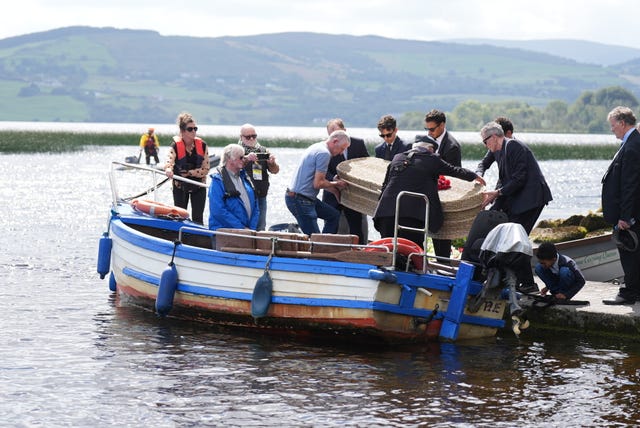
[{"x": 310, "y": 298}]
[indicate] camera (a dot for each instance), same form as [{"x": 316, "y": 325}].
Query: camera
[{"x": 263, "y": 156}]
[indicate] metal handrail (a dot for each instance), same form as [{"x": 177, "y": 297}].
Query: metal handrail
[
  {"x": 154, "y": 172},
  {"x": 397, "y": 227}
]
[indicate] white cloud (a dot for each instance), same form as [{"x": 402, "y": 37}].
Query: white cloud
[{"x": 612, "y": 22}]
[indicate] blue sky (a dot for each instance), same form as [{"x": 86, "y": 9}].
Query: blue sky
[{"x": 611, "y": 22}]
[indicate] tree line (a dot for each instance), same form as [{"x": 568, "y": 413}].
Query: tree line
[{"x": 588, "y": 114}]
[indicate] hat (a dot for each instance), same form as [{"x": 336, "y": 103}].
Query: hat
[
  {"x": 426, "y": 139},
  {"x": 626, "y": 240}
]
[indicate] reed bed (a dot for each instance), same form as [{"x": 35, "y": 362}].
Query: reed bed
[{"x": 56, "y": 142}]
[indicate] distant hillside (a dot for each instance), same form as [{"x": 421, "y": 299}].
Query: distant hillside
[
  {"x": 110, "y": 75},
  {"x": 577, "y": 50}
]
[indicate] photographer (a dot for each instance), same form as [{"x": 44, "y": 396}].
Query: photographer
[{"x": 258, "y": 164}]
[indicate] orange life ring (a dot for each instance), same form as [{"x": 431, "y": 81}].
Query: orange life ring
[
  {"x": 405, "y": 247},
  {"x": 155, "y": 208}
]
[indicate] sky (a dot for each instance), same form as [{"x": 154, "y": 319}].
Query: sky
[{"x": 605, "y": 21}]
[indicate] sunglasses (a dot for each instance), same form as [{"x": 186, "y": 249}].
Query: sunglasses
[
  {"x": 250, "y": 136},
  {"x": 486, "y": 139},
  {"x": 386, "y": 135},
  {"x": 191, "y": 128},
  {"x": 431, "y": 129}
]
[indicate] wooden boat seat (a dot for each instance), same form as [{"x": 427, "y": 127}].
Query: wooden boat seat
[{"x": 332, "y": 238}]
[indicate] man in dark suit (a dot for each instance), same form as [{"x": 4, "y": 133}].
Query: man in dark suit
[
  {"x": 392, "y": 144},
  {"x": 435, "y": 123},
  {"x": 490, "y": 157},
  {"x": 357, "y": 149},
  {"x": 416, "y": 170},
  {"x": 621, "y": 198},
  {"x": 523, "y": 191}
]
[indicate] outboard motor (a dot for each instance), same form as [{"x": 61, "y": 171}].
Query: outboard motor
[{"x": 504, "y": 254}]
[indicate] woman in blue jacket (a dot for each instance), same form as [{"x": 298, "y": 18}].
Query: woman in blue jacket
[{"x": 232, "y": 199}]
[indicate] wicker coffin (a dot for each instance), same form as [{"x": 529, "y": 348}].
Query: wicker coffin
[{"x": 460, "y": 204}]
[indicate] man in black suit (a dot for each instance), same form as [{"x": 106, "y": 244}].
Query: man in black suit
[
  {"x": 523, "y": 191},
  {"x": 490, "y": 157},
  {"x": 416, "y": 170},
  {"x": 435, "y": 123},
  {"x": 621, "y": 198},
  {"x": 357, "y": 149},
  {"x": 392, "y": 144}
]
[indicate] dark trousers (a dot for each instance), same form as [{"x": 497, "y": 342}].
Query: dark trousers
[
  {"x": 198, "y": 199},
  {"x": 385, "y": 225},
  {"x": 442, "y": 248},
  {"x": 354, "y": 220},
  {"x": 353, "y": 217},
  {"x": 630, "y": 262},
  {"x": 151, "y": 153},
  {"x": 527, "y": 219}
]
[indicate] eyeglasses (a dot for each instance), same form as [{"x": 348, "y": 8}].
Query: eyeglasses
[
  {"x": 250, "y": 137},
  {"x": 432, "y": 129},
  {"x": 486, "y": 139},
  {"x": 386, "y": 135},
  {"x": 191, "y": 128}
]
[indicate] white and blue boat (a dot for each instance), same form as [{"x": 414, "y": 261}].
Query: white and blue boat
[{"x": 282, "y": 283}]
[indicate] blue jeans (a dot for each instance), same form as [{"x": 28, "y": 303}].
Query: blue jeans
[
  {"x": 564, "y": 282},
  {"x": 262, "y": 220},
  {"x": 307, "y": 211}
]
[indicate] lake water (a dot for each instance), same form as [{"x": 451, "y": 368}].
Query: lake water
[
  {"x": 294, "y": 132},
  {"x": 71, "y": 355}
]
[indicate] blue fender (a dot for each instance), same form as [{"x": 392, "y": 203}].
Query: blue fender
[
  {"x": 112, "y": 282},
  {"x": 261, "y": 298},
  {"x": 166, "y": 290},
  {"x": 104, "y": 255}
]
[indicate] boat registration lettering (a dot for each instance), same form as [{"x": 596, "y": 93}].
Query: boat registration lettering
[{"x": 493, "y": 306}]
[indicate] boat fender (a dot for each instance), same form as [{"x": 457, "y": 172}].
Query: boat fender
[
  {"x": 166, "y": 290},
  {"x": 112, "y": 282},
  {"x": 383, "y": 275},
  {"x": 405, "y": 247},
  {"x": 104, "y": 255},
  {"x": 261, "y": 298}
]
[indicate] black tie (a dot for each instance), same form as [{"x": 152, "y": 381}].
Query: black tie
[{"x": 387, "y": 152}]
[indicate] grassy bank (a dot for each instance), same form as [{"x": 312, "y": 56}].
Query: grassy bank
[{"x": 56, "y": 142}]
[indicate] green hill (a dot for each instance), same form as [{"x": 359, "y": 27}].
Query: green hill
[{"x": 110, "y": 75}]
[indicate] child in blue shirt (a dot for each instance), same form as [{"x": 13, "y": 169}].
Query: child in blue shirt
[{"x": 560, "y": 274}]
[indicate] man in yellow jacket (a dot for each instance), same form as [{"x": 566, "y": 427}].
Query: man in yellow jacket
[{"x": 150, "y": 144}]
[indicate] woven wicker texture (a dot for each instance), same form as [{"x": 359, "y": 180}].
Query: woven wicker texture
[{"x": 460, "y": 204}]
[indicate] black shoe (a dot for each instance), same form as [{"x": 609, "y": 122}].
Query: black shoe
[
  {"x": 527, "y": 289},
  {"x": 620, "y": 300}
]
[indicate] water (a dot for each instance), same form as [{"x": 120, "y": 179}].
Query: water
[
  {"x": 295, "y": 132},
  {"x": 71, "y": 355}
]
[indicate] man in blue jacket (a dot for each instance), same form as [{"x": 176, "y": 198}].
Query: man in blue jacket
[{"x": 232, "y": 199}]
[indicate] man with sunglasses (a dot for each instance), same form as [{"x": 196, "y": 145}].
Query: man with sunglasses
[
  {"x": 435, "y": 123},
  {"x": 392, "y": 144},
  {"x": 258, "y": 164}
]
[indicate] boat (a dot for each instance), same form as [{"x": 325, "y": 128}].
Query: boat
[
  {"x": 214, "y": 161},
  {"x": 596, "y": 256},
  {"x": 320, "y": 286}
]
